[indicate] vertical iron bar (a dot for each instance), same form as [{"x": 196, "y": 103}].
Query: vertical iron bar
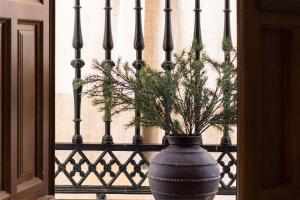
[
  {"x": 197, "y": 29},
  {"x": 77, "y": 63},
  {"x": 198, "y": 48},
  {"x": 227, "y": 28},
  {"x": 168, "y": 65},
  {"x": 138, "y": 64},
  {"x": 168, "y": 37},
  {"x": 107, "y": 46},
  {"x": 227, "y": 48},
  {"x": 101, "y": 197}
]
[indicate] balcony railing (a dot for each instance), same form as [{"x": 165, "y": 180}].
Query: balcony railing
[
  {"x": 122, "y": 168},
  {"x": 108, "y": 168}
]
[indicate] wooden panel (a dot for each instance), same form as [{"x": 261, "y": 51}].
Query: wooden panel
[
  {"x": 294, "y": 108},
  {"x": 31, "y": 1},
  {"x": 280, "y": 5},
  {"x": 269, "y": 94},
  {"x": 1, "y": 188},
  {"x": 28, "y": 71},
  {"x": 273, "y": 99},
  {"x": 26, "y": 95},
  {"x": 4, "y": 136}
]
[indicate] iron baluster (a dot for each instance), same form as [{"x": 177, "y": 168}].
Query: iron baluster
[
  {"x": 107, "y": 46},
  {"x": 198, "y": 45},
  {"x": 168, "y": 65},
  {"x": 168, "y": 37},
  {"x": 77, "y": 63},
  {"x": 227, "y": 27},
  {"x": 101, "y": 197},
  {"x": 227, "y": 48},
  {"x": 138, "y": 64},
  {"x": 197, "y": 29}
]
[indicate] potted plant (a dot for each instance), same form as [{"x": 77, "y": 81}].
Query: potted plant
[{"x": 179, "y": 102}]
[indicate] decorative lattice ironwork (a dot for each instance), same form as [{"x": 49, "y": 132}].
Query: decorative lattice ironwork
[
  {"x": 127, "y": 176},
  {"x": 227, "y": 161}
]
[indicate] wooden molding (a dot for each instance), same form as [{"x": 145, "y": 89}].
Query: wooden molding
[
  {"x": 280, "y": 5},
  {"x": 48, "y": 197},
  {"x": 4, "y": 195}
]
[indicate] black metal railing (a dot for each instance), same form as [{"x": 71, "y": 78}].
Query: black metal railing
[
  {"x": 107, "y": 168},
  {"x": 127, "y": 174}
]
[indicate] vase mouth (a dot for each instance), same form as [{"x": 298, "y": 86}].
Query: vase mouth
[{"x": 187, "y": 140}]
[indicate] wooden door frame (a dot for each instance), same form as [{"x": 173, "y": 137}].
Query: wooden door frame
[
  {"x": 240, "y": 50},
  {"x": 52, "y": 99}
]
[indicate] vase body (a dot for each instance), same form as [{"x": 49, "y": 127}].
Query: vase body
[{"x": 184, "y": 171}]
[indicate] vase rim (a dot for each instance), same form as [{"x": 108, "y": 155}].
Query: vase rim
[
  {"x": 187, "y": 140},
  {"x": 184, "y": 135}
]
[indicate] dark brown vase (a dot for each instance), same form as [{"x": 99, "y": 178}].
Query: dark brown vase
[{"x": 184, "y": 171}]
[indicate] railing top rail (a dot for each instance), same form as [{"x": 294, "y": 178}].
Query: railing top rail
[{"x": 134, "y": 147}]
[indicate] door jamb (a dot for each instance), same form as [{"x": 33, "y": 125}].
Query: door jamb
[{"x": 51, "y": 185}]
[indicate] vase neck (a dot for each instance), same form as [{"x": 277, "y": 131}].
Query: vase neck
[{"x": 184, "y": 140}]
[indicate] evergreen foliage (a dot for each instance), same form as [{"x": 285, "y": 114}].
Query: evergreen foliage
[{"x": 167, "y": 99}]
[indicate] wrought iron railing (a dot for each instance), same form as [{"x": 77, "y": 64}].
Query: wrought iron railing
[
  {"x": 112, "y": 172},
  {"x": 108, "y": 169}
]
